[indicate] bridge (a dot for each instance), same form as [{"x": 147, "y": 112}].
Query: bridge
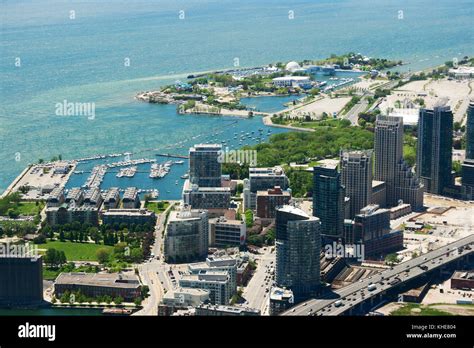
[{"x": 347, "y": 299}]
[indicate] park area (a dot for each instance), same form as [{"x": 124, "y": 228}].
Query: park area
[{"x": 76, "y": 251}]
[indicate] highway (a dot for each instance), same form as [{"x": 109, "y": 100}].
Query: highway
[{"x": 356, "y": 293}]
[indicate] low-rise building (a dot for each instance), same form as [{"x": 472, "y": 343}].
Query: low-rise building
[
  {"x": 217, "y": 282},
  {"x": 226, "y": 233},
  {"x": 112, "y": 198},
  {"x": 262, "y": 179},
  {"x": 56, "y": 197},
  {"x": 399, "y": 211},
  {"x": 462, "y": 280},
  {"x": 75, "y": 196},
  {"x": 131, "y": 199},
  {"x": 128, "y": 216},
  {"x": 280, "y": 300},
  {"x": 384, "y": 244},
  {"x": 93, "y": 197},
  {"x": 99, "y": 284},
  {"x": 223, "y": 263},
  {"x": 268, "y": 201},
  {"x": 293, "y": 81},
  {"x": 220, "y": 310},
  {"x": 414, "y": 226},
  {"x": 66, "y": 214},
  {"x": 185, "y": 297}
]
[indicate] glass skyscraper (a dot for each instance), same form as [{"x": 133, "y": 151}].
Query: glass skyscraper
[
  {"x": 328, "y": 200},
  {"x": 298, "y": 251},
  {"x": 435, "y": 148},
  {"x": 205, "y": 169},
  {"x": 468, "y": 165}
]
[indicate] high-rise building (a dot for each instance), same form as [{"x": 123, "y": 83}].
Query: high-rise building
[
  {"x": 467, "y": 188},
  {"x": 186, "y": 236},
  {"x": 435, "y": 148},
  {"x": 400, "y": 181},
  {"x": 21, "y": 279},
  {"x": 209, "y": 198},
  {"x": 205, "y": 169},
  {"x": 356, "y": 174},
  {"x": 298, "y": 249},
  {"x": 470, "y": 131},
  {"x": 328, "y": 200}
]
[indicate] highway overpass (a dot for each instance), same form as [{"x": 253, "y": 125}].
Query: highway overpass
[{"x": 346, "y": 299}]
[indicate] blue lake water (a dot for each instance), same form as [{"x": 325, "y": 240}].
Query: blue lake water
[
  {"x": 82, "y": 60},
  {"x": 52, "y": 312}
]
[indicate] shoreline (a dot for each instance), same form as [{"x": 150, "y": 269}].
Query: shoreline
[{"x": 266, "y": 120}]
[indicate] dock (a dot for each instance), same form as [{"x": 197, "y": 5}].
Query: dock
[{"x": 171, "y": 155}]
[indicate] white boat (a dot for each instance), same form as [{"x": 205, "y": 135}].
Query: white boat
[{"x": 128, "y": 172}]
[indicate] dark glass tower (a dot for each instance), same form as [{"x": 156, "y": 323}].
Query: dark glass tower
[
  {"x": 205, "y": 169},
  {"x": 470, "y": 131},
  {"x": 328, "y": 200},
  {"x": 298, "y": 250},
  {"x": 467, "y": 188},
  {"x": 21, "y": 280},
  {"x": 435, "y": 148}
]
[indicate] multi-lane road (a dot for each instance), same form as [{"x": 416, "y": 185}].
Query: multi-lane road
[
  {"x": 255, "y": 293},
  {"x": 150, "y": 270},
  {"x": 344, "y": 299}
]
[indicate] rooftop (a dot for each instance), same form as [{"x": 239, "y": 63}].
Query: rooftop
[
  {"x": 116, "y": 280},
  {"x": 130, "y": 193},
  {"x": 128, "y": 212}
]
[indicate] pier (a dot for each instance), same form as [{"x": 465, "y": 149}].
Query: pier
[{"x": 171, "y": 155}]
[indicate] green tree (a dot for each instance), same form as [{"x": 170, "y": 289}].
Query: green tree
[
  {"x": 391, "y": 259},
  {"x": 249, "y": 218},
  {"x": 102, "y": 255},
  {"x": 51, "y": 257}
]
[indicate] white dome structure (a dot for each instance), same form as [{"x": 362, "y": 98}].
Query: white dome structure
[{"x": 292, "y": 67}]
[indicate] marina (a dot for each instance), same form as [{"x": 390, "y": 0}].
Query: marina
[
  {"x": 160, "y": 170},
  {"x": 128, "y": 172}
]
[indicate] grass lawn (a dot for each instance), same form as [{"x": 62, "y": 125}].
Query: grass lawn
[
  {"x": 157, "y": 207},
  {"x": 49, "y": 274},
  {"x": 406, "y": 310},
  {"x": 29, "y": 208},
  {"x": 76, "y": 251}
]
